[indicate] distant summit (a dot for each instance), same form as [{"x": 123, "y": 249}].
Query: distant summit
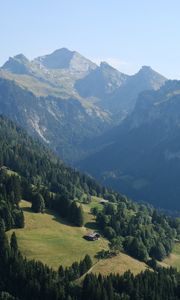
[
  {"x": 59, "y": 59},
  {"x": 66, "y": 59},
  {"x": 18, "y": 64},
  {"x": 152, "y": 79},
  {"x": 101, "y": 82}
]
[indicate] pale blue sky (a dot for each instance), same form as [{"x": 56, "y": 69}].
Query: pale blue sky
[{"x": 126, "y": 33}]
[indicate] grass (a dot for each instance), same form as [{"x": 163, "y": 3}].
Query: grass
[
  {"x": 95, "y": 202},
  {"x": 118, "y": 265},
  {"x": 174, "y": 258},
  {"x": 48, "y": 238}
]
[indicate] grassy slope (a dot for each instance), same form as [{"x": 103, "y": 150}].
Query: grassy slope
[
  {"x": 119, "y": 264},
  {"x": 48, "y": 238},
  {"x": 174, "y": 258}
]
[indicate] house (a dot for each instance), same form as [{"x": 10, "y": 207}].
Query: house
[
  {"x": 93, "y": 236},
  {"x": 103, "y": 201}
]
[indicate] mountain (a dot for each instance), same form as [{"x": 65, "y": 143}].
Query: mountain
[
  {"x": 66, "y": 59},
  {"x": 18, "y": 64},
  {"x": 117, "y": 92},
  {"x": 100, "y": 82},
  {"x": 53, "y": 74},
  {"x": 62, "y": 68},
  {"x": 67, "y": 100},
  {"x": 62, "y": 125},
  {"x": 66, "y": 73},
  {"x": 141, "y": 157},
  {"x": 123, "y": 100}
]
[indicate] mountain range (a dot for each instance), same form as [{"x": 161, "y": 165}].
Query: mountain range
[
  {"x": 119, "y": 128},
  {"x": 70, "y": 99}
]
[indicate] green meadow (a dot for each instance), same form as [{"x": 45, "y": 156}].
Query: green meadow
[{"x": 48, "y": 238}]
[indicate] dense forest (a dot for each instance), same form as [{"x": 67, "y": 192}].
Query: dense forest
[
  {"x": 140, "y": 230},
  {"x": 37, "y": 174}
]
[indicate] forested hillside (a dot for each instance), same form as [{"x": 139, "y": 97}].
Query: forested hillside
[
  {"x": 39, "y": 173},
  {"x": 31, "y": 171},
  {"x": 44, "y": 180}
]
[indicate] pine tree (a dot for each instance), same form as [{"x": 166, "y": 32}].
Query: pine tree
[
  {"x": 61, "y": 272},
  {"x": 4, "y": 244},
  {"x": 38, "y": 204},
  {"x": 13, "y": 243},
  {"x": 80, "y": 216},
  {"x": 88, "y": 261},
  {"x": 73, "y": 212}
]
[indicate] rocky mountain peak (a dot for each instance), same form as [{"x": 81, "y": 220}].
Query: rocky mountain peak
[
  {"x": 59, "y": 59},
  {"x": 18, "y": 64},
  {"x": 21, "y": 58},
  {"x": 105, "y": 65},
  {"x": 147, "y": 71},
  {"x": 65, "y": 59},
  {"x": 149, "y": 78}
]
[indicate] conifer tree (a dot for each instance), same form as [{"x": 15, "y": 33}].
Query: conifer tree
[
  {"x": 38, "y": 204},
  {"x": 88, "y": 261},
  {"x": 80, "y": 216},
  {"x": 4, "y": 244},
  {"x": 13, "y": 243}
]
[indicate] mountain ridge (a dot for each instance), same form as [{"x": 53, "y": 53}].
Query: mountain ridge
[{"x": 59, "y": 113}]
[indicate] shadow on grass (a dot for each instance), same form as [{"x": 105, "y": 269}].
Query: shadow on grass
[
  {"x": 57, "y": 218},
  {"x": 51, "y": 213},
  {"x": 27, "y": 209},
  {"x": 91, "y": 225}
]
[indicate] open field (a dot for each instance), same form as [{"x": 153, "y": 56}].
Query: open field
[
  {"x": 174, "y": 258},
  {"x": 119, "y": 264},
  {"x": 48, "y": 238}
]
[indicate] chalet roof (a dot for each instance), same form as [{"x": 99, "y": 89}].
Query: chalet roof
[
  {"x": 103, "y": 201},
  {"x": 92, "y": 234}
]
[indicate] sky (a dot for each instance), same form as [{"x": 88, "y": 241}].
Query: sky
[{"x": 126, "y": 33}]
